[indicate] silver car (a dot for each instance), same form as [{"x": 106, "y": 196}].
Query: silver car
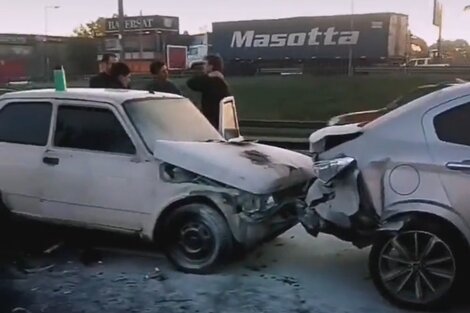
[{"x": 401, "y": 184}]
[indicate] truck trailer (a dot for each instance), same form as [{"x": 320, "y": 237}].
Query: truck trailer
[{"x": 314, "y": 41}]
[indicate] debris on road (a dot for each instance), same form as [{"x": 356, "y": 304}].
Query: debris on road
[
  {"x": 53, "y": 248},
  {"x": 39, "y": 269},
  {"x": 173, "y": 300},
  {"x": 288, "y": 280},
  {"x": 157, "y": 274},
  {"x": 119, "y": 279},
  {"x": 20, "y": 310}
]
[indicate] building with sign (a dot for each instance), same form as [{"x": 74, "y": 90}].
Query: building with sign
[{"x": 145, "y": 39}]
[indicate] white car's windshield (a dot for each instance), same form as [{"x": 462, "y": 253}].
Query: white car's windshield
[{"x": 169, "y": 119}]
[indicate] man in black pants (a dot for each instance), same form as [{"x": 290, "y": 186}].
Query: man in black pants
[
  {"x": 104, "y": 79},
  {"x": 213, "y": 88}
]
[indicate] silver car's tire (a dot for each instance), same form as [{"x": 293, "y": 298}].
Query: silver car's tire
[
  {"x": 418, "y": 268},
  {"x": 197, "y": 238}
]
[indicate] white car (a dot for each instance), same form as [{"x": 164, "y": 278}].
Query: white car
[{"x": 147, "y": 164}]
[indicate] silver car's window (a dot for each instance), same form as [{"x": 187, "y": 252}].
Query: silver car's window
[
  {"x": 169, "y": 119},
  {"x": 453, "y": 125},
  {"x": 25, "y": 123}
]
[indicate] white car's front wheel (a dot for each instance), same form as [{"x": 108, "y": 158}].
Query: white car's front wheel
[{"x": 197, "y": 238}]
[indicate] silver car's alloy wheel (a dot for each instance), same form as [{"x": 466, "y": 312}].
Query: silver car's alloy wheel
[{"x": 417, "y": 267}]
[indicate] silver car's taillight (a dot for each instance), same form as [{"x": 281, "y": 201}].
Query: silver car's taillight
[{"x": 327, "y": 170}]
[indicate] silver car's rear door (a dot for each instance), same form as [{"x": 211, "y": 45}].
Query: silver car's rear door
[{"x": 447, "y": 130}]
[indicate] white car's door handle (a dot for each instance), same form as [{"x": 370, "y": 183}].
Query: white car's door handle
[
  {"x": 458, "y": 166},
  {"x": 50, "y": 161}
]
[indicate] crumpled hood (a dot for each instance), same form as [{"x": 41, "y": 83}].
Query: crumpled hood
[{"x": 255, "y": 168}]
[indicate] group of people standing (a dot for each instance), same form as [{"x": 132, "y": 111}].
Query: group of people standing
[{"x": 211, "y": 84}]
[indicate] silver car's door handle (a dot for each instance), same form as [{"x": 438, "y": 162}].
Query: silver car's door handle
[{"x": 458, "y": 166}]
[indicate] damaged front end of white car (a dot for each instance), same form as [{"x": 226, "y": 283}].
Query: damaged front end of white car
[{"x": 258, "y": 189}]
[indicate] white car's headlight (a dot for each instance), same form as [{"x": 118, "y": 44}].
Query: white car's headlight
[
  {"x": 327, "y": 170},
  {"x": 251, "y": 204},
  {"x": 177, "y": 175}
]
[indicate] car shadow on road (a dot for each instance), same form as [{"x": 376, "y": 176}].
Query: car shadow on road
[{"x": 320, "y": 275}]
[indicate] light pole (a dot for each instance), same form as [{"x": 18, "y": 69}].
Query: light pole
[
  {"x": 121, "y": 28},
  {"x": 46, "y": 30},
  {"x": 350, "y": 58},
  {"x": 141, "y": 47},
  {"x": 46, "y": 16}
]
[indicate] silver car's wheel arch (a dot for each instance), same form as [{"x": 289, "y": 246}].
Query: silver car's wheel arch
[{"x": 440, "y": 213}]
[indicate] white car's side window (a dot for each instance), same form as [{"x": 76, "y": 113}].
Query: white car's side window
[
  {"x": 91, "y": 128},
  {"x": 25, "y": 123}
]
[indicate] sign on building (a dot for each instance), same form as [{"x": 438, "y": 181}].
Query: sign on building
[{"x": 143, "y": 23}]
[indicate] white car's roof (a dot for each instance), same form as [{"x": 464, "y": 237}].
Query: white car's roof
[{"x": 100, "y": 95}]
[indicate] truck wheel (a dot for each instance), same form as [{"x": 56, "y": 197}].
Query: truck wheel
[
  {"x": 197, "y": 238},
  {"x": 418, "y": 268}
]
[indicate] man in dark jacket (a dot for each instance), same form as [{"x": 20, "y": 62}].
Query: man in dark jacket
[
  {"x": 104, "y": 79},
  {"x": 120, "y": 75},
  {"x": 213, "y": 88},
  {"x": 160, "y": 82}
]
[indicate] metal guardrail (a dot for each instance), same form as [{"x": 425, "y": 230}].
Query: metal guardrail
[
  {"x": 414, "y": 70},
  {"x": 286, "y": 134},
  {"x": 282, "y": 124}
]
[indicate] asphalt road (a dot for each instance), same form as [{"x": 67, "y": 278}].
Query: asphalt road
[{"x": 294, "y": 273}]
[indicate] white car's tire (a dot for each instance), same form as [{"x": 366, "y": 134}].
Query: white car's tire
[{"x": 197, "y": 238}]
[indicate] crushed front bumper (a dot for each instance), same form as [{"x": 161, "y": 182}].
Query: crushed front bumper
[{"x": 250, "y": 231}]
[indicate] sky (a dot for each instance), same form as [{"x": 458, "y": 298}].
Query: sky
[{"x": 28, "y": 16}]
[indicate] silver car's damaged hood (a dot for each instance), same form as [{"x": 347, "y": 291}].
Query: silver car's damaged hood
[{"x": 255, "y": 168}]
